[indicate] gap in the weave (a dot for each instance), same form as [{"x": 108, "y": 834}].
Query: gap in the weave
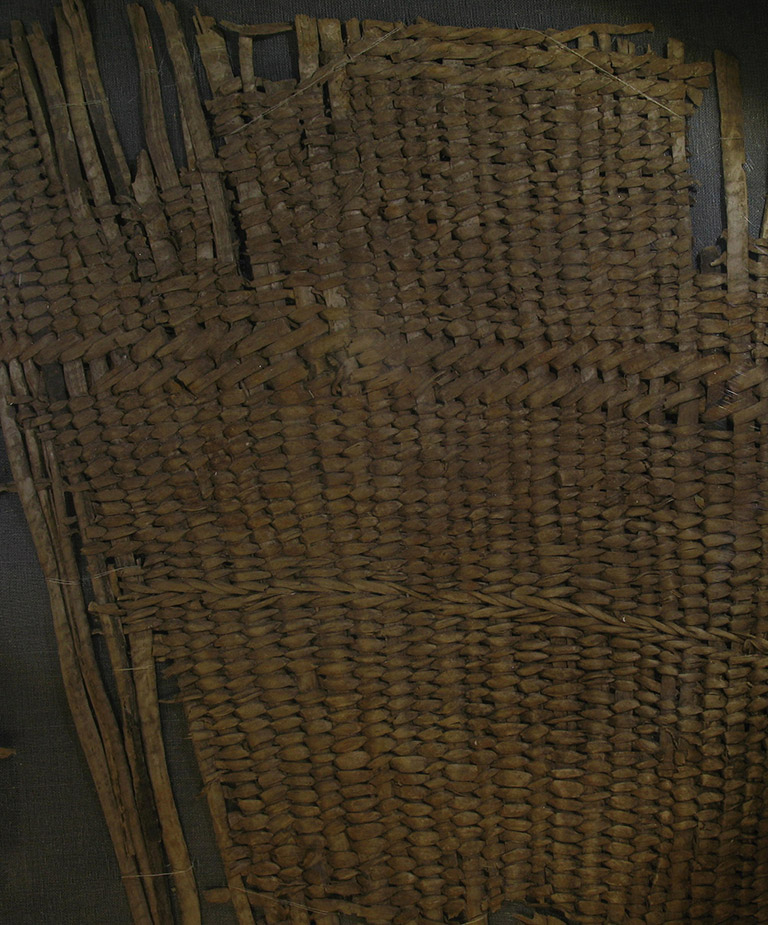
[
  {"x": 275, "y": 57},
  {"x": 191, "y": 801}
]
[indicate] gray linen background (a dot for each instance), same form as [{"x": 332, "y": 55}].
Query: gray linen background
[{"x": 56, "y": 861}]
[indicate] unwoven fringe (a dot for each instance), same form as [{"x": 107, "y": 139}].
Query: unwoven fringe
[{"x": 399, "y": 425}]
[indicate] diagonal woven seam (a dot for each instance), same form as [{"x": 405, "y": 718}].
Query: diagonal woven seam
[
  {"x": 511, "y": 603},
  {"x": 625, "y": 83}
]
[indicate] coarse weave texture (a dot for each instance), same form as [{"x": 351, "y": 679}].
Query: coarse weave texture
[{"x": 398, "y": 423}]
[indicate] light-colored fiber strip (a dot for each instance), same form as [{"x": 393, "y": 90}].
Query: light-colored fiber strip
[{"x": 734, "y": 177}]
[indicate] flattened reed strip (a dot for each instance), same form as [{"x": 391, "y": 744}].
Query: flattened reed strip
[
  {"x": 199, "y": 136},
  {"x": 257, "y": 30},
  {"x": 155, "y": 132},
  {"x": 734, "y": 176},
  {"x": 96, "y": 99}
]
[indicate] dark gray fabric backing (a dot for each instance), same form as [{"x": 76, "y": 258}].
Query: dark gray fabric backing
[{"x": 56, "y": 861}]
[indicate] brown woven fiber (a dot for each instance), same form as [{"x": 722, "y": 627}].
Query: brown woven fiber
[{"x": 397, "y": 423}]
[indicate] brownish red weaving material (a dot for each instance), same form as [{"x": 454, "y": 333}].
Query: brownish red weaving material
[{"x": 398, "y": 424}]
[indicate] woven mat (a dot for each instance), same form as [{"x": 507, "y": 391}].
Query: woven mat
[{"x": 398, "y": 424}]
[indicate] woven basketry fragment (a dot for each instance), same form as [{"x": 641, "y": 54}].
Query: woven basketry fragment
[{"x": 398, "y": 424}]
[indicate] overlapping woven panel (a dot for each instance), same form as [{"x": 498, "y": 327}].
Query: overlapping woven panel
[{"x": 405, "y": 430}]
